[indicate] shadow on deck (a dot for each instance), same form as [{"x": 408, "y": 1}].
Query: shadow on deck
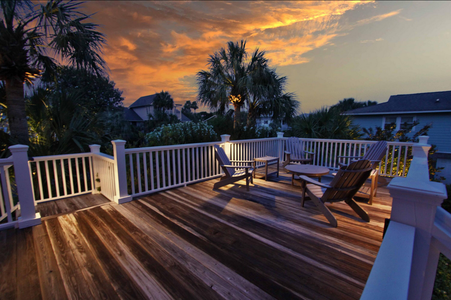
[{"x": 196, "y": 243}]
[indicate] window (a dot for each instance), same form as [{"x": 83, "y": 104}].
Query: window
[
  {"x": 266, "y": 122},
  {"x": 398, "y": 123},
  {"x": 389, "y": 123},
  {"x": 406, "y": 122}
]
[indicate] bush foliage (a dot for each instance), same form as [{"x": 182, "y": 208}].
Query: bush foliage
[{"x": 181, "y": 133}]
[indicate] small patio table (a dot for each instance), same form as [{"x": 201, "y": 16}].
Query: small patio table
[
  {"x": 267, "y": 160},
  {"x": 308, "y": 170}
]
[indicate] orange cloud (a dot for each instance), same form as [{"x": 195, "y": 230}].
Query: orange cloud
[{"x": 156, "y": 46}]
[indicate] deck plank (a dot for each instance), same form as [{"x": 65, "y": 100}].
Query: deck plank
[
  {"x": 51, "y": 283},
  {"x": 28, "y": 286},
  {"x": 8, "y": 266},
  {"x": 194, "y": 242}
]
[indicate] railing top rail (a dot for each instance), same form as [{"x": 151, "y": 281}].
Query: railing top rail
[
  {"x": 357, "y": 141},
  {"x": 6, "y": 161},
  {"x": 61, "y": 156},
  {"x": 179, "y": 146},
  {"x": 104, "y": 156},
  {"x": 253, "y": 140}
]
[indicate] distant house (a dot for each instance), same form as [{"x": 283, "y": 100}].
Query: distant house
[
  {"x": 266, "y": 121},
  {"x": 427, "y": 108},
  {"x": 142, "y": 108}
]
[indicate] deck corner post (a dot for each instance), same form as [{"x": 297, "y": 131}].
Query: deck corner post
[
  {"x": 280, "y": 145},
  {"x": 415, "y": 202},
  {"x": 120, "y": 172},
  {"x": 225, "y": 139},
  {"x": 29, "y": 217},
  {"x": 95, "y": 149}
]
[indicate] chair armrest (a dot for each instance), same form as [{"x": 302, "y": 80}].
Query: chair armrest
[
  {"x": 287, "y": 152},
  {"x": 350, "y": 156},
  {"x": 310, "y": 180},
  {"x": 243, "y": 161},
  {"x": 308, "y": 152},
  {"x": 236, "y": 167}
]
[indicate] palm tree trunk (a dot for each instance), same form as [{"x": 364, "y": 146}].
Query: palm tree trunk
[
  {"x": 17, "y": 116},
  {"x": 236, "y": 118}
]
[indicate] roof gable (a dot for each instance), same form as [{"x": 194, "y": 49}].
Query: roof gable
[
  {"x": 143, "y": 101},
  {"x": 433, "y": 102},
  {"x": 131, "y": 116}
]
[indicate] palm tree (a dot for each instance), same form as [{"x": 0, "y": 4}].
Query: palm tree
[
  {"x": 194, "y": 106},
  {"x": 30, "y": 35},
  {"x": 232, "y": 77},
  {"x": 163, "y": 100},
  {"x": 225, "y": 81}
]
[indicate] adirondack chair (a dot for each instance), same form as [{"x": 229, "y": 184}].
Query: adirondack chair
[
  {"x": 374, "y": 154},
  {"x": 295, "y": 152},
  {"x": 343, "y": 187},
  {"x": 232, "y": 173}
]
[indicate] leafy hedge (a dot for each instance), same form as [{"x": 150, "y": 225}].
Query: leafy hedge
[{"x": 181, "y": 133}]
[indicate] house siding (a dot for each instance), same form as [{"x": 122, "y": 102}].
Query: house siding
[
  {"x": 144, "y": 112},
  {"x": 439, "y": 134}
]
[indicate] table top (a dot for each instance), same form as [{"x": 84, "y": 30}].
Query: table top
[
  {"x": 266, "y": 158},
  {"x": 308, "y": 170}
]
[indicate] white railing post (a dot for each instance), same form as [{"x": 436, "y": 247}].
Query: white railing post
[
  {"x": 280, "y": 144},
  {"x": 95, "y": 149},
  {"x": 120, "y": 172},
  {"x": 29, "y": 216},
  {"x": 225, "y": 139},
  {"x": 415, "y": 201}
]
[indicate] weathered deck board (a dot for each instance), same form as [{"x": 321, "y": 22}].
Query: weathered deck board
[{"x": 194, "y": 243}]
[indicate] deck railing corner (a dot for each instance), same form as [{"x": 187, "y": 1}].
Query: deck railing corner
[{"x": 29, "y": 216}]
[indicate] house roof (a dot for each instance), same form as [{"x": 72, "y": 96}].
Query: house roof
[
  {"x": 434, "y": 102},
  {"x": 131, "y": 116},
  {"x": 143, "y": 101},
  {"x": 184, "y": 118}
]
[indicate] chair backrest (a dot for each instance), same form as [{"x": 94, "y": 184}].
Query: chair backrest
[
  {"x": 376, "y": 151},
  {"x": 348, "y": 181},
  {"x": 223, "y": 160},
  {"x": 295, "y": 146}
]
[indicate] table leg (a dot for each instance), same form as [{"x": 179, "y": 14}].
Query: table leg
[
  {"x": 319, "y": 179},
  {"x": 254, "y": 164},
  {"x": 266, "y": 170},
  {"x": 292, "y": 179},
  {"x": 278, "y": 167},
  {"x": 303, "y": 186}
]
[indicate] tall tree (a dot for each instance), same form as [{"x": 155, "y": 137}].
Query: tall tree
[
  {"x": 31, "y": 35},
  {"x": 194, "y": 106},
  {"x": 163, "y": 100},
  {"x": 225, "y": 81}
]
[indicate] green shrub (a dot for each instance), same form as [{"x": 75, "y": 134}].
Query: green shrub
[{"x": 181, "y": 133}]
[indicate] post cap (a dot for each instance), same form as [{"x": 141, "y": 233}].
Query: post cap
[
  {"x": 280, "y": 134},
  {"x": 423, "y": 139},
  {"x": 18, "y": 148},
  {"x": 225, "y": 138}
]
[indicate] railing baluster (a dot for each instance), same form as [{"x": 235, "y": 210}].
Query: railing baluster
[
  {"x": 146, "y": 183},
  {"x": 77, "y": 168},
  {"x": 56, "y": 179},
  {"x": 132, "y": 174},
  {"x": 152, "y": 176},
  {"x": 84, "y": 174},
  {"x": 138, "y": 172}
]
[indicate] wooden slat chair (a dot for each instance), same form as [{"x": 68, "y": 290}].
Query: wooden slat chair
[
  {"x": 374, "y": 154},
  {"x": 343, "y": 187},
  {"x": 294, "y": 151},
  {"x": 232, "y": 173}
]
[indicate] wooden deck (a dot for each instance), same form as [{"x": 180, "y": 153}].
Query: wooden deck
[{"x": 195, "y": 243}]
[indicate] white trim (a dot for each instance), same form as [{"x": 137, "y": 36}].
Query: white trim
[{"x": 399, "y": 112}]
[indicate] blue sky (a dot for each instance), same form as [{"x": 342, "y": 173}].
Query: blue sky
[{"x": 328, "y": 50}]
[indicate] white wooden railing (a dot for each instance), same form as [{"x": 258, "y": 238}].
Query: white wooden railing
[
  {"x": 61, "y": 176},
  {"x": 155, "y": 169},
  {"x": 103, "y": 173},
  {"x": 419, "y": 231},
  {"x": 7, "y": 206},
  {"x": 394, "y": 164}
]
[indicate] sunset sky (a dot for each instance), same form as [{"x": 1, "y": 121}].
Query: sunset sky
[{"x": 327, "y": 50}]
